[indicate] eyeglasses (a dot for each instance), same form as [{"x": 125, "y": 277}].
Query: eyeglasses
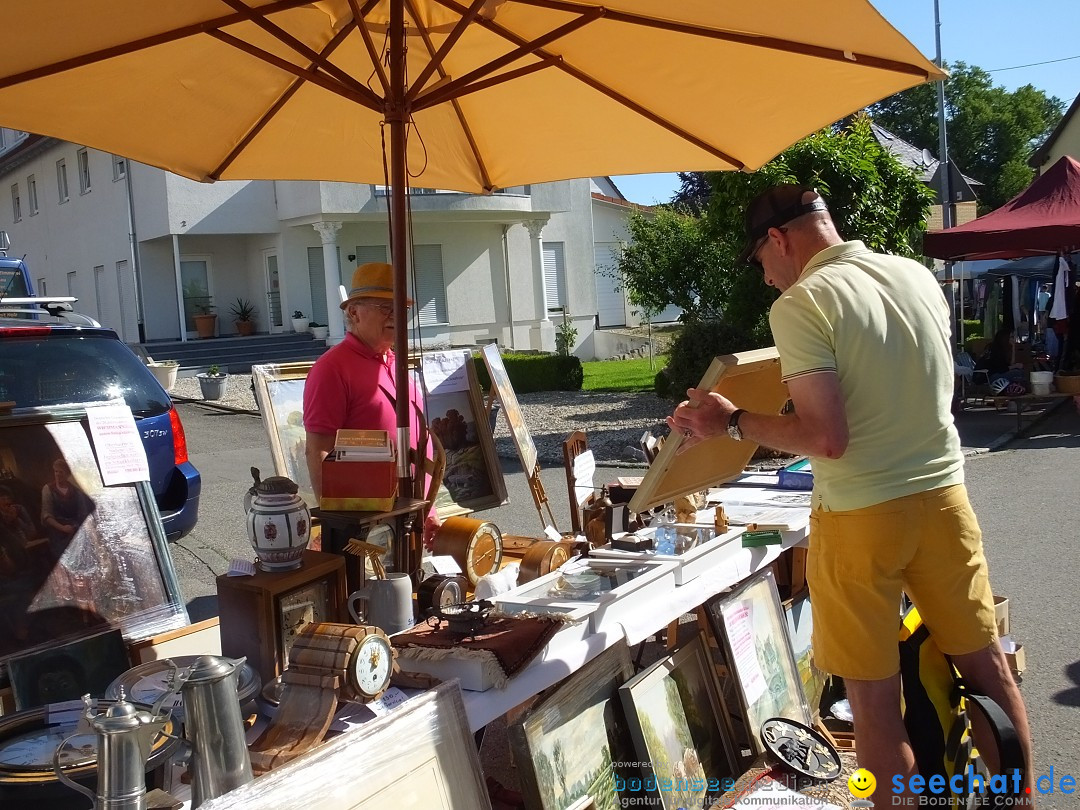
[
  {"x": 386, "y": 309},
  {"x": 754, "y": 260}
]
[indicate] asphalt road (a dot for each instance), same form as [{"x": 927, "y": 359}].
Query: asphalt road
[{"x": 1023, "y": 493}]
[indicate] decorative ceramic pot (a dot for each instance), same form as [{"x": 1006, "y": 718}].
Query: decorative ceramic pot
[{"x": 278, "y": 522}]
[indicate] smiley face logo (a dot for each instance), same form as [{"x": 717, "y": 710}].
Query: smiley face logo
[{"x": 861, "y": 783}]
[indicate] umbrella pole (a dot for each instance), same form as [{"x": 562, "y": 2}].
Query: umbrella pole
[{"x": 396, "y": 118}]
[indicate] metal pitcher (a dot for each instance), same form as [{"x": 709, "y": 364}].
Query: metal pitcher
[{"x": 215, "y": 729}]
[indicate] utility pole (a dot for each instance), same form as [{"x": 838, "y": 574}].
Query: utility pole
[{"x": 943, "y": 140}]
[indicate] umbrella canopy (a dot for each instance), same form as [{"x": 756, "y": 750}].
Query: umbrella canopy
[
  {"x": 498, "y": 93},
  {"x": 477, "y": 96},
  {"x": 1043, "y": 218}
]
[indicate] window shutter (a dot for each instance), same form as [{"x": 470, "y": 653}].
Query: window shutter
[
  {"x": 555, "y": 275},
  {"x": 364, "y": 254},
  {"x": 430, "y": 294}
]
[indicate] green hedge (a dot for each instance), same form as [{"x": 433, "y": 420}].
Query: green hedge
[
  {"x": 536, "y": 372},
  {"x": 694, "y": 349}
]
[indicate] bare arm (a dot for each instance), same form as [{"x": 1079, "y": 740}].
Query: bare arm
[
  {"x": 818, "y": 428},
  {"x": 318, "y": 447}
]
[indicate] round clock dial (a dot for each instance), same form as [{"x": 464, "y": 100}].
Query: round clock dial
[
  {"x": 149, "y": 681},
  {"x": 800, "y": 748},
  {"x": 440, "y": 590},
  {"x": 484, "y": 554},
  {"x": 371, "y": 665},
  {"x": 33, "y": 750},
  {"x": 543, "y": 557}
]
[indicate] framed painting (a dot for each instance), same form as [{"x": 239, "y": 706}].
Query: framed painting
[
  {"x": 800, "y": 625},
  {"x": 679, "y": 726},
  {"x": 523, "y": 440},
  {"x": 420, "y": 756},
  {"x": 454, "y": 406},
  {"x": 750, "y": 625},
  {"x": 568, "y": 749},
  {"x": 279, "y": 393},
  {"x": 76, "y": 557},
  {"x": 749, "y": 379},
  {"x": 68, "y": 671}
]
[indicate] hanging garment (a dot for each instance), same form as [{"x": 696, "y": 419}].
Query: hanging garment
[{"x": 1058, "y": 310}]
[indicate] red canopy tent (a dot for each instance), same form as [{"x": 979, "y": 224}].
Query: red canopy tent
[{"x": 1044, "y": 218}]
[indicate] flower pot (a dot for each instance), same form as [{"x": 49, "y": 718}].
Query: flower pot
[
  {"x": 320, "y": 332},
  {"x": 165, "y": 372},
  {"x": 244, "y": 327},
  {"x": 204, "y": 324},
  {"x": 212, "y": 387},
  {"x": 300, "y": 324}
]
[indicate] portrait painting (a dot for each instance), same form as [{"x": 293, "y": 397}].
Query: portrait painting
[
  {"x": 572, "y": 746},
  {"x": 279, "y": 393},
  {"x": 76, "y": 557},
  {"x": 523, "y": 440},
  {"x": 750, "y": 625}
]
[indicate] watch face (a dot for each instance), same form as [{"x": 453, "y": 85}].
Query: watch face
[
  {"x": 484, "y": 553},
  {"x": 372, "y": 665},
  {"x": 299, "y": 608}
]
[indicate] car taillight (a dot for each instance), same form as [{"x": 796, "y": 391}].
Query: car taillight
[
  {"x": 26, "y": 331},
  {"x": 179, "y": 440}
]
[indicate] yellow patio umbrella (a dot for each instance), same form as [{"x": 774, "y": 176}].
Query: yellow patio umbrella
[{"x": 471, "y": 96}]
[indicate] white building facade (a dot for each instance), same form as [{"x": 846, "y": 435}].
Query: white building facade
[{"x": 144, "y": 249}]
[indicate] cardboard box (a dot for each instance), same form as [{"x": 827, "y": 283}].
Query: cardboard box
[
  {"x": 358, "y": 486},
  {"x": 1001, "y": 615},
  {"x": 1014, "y": 654}
]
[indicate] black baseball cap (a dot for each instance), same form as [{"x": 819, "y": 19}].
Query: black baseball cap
[{"x": 774, "y": 208}]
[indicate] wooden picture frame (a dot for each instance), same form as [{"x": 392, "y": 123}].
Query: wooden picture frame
[
  {"x": 567, "y": 747},
  {"x": 749, "y": 379},
  {"x": 679, "y": 726},
  {"x": 750, "y": 625},
  {"x": 519, "y": 430},
  {"x": 279, "y": 394},
  {"x": 113, "y": 570},
  {"x": 454, "y": 409},
  {"x": 420, "y": 756}
]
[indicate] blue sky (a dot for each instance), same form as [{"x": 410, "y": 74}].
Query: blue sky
[{"x": 993, "y": 34}]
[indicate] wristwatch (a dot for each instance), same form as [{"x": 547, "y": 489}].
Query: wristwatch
[{"x": 733, "y": 424}]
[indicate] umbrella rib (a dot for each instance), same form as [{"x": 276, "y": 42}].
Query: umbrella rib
[
  {"x": 358, "y": 21},
  {"x": 440, "y": 94},
  {"x": 266, "y": 117},
  {"x": 614, "y": 95},
  {"x": 438, "y": 58},
  {"x": 139, "y": 45},
  {"x": 361, "y": 94},
  {"x": 753, "y": 40},
  {"x": 287, "y": 39},
  {"x": 485, "y": 177}
]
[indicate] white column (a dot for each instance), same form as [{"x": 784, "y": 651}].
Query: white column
[
  {"x": 328, "y": 232},
  {"x": 536, "y": 252},
  {"x": 542, "y": 336}
]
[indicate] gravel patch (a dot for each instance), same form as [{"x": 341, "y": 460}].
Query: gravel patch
[{"x": 612, "y": 422}]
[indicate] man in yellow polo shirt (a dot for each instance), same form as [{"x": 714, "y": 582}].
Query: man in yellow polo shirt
[{"x": 865, "y": 351}]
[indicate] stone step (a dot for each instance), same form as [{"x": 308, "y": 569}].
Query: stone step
[{"x": 235, "y": 354}]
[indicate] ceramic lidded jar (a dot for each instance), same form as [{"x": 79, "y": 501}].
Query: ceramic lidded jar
[{"x": 278, "y": 522}]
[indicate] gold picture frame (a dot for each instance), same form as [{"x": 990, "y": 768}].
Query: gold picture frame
[
  {"x": 749, "y": 379},
  {"x": 519, "y": 430}
]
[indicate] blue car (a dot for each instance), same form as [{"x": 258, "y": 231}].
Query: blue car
[{"x": 45, "y": 364}]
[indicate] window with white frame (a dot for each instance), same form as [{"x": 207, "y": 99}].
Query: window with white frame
[
  {"x": 16, "y": 203},
  {"x": 429, "y": 291},
  {"x": 555, "y": 276},
  {"x": 62, "y": 181},
  {"x": 31, "y": 194},
  {"x": 119, "y": 167},
  {"x": 84, "y": 171}
]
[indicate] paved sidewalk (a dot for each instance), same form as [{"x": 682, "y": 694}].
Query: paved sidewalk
[{"x": 985, "y": 428}]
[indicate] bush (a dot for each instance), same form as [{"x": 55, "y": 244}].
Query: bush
[
  {"x": 697, "y": 345},
  {"x": 536, "y": 372}
]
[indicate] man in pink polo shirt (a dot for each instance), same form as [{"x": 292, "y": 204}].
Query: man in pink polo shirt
[{"x": 352, "y": 385}]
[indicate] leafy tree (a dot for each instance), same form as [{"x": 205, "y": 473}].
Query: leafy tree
[
  {"x": 671, "y": 260},
  {"x": 991, "y": 130},
  {"x": 693, "y": 194}
]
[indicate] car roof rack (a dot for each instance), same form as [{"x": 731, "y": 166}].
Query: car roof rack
[{"x": 58, "y": 306}]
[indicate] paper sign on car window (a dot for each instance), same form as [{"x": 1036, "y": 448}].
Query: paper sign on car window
[{"x": 120, "y": 453}]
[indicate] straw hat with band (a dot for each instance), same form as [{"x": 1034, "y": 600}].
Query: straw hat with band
[
  {"x": 774, "y": 208},
  {"x": 372, "y": 280}
]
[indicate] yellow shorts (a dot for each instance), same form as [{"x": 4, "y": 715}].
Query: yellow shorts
[{"x": 928, "y": 544}]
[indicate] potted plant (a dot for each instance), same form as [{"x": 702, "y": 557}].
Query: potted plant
[
  {"x": 299, "y": 321},
  {"x": 244, "y": 313},
  {"x": 165, "y": 372},
  {"x": 205, "y": 319},
  {"x": 212, "y": 382},
  {"x": 319, "y": 331}
]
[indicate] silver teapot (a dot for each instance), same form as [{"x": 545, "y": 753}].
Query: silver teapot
[{"x": 278, "y": 522}]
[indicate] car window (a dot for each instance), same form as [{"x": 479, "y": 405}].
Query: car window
[{"x": 58, "y": 370}]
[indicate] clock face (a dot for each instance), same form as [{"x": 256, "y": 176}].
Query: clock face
[
  {"x": 450, "y": 592},
  {"x": 381, "y": 535},
  {"x": 33, "y": 750},
  {"x": 556, "y": 557},
  {"x": 299, "y": 608},
  {"x": 484, "y": 553},
  {"x": 371, "y": 665}
]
